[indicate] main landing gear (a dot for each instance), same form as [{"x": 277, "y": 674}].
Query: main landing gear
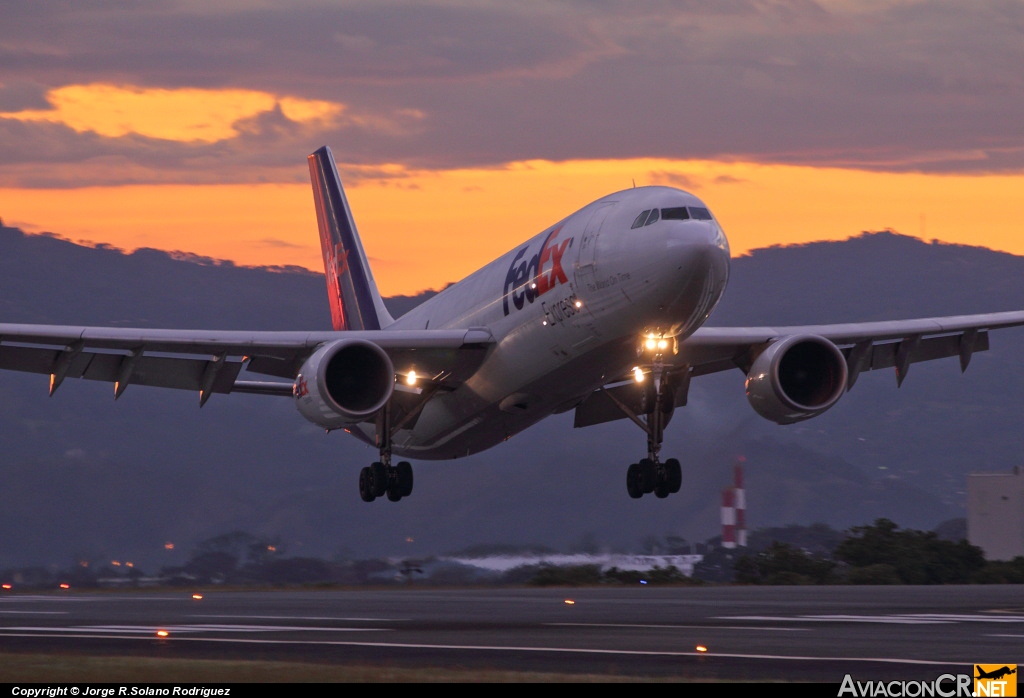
[
  {"x": 382, "y": 478},
  {"x": 650, "y": 474},
  {"x": 658, "y": 403}
]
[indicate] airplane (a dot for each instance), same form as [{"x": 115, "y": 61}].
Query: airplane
[
  {"x": 602, "y": 313},
  {"x": 995, "y": 673}
]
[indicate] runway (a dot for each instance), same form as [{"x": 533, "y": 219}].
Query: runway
[{"x": 815, "y": 634}]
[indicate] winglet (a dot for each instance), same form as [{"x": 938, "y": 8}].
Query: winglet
[{"x": 355, "y": 302}]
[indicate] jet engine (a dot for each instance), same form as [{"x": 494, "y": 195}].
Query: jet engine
[
  {"x": 796, "y": 378},
  {"x": 344, "y": 382}
]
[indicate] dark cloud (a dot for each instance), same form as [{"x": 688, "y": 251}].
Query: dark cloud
[
  {"x": 933, "y": 86},
  {"x": 19, "y": 95}
]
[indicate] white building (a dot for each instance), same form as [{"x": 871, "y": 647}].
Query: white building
[{"x": 995, "y": 513}]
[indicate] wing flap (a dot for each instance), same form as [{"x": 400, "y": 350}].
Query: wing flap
[
  {"x": 885, "y": 355},
  {"x": 182, "y": 373}
]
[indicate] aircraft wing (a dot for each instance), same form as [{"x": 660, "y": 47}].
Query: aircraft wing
[
  {"x": 866, "y": 346},
  {"x": 210, "y": 362}
]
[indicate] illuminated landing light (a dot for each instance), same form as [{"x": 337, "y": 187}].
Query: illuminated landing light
[
  {"x": 570, "y": 602},
  {"x": 168, "y": 546},
  {"x": 579, "y": 304},
  {"x": 638, "y": 374},
  {"x": 701, "y": 648},
  {"x": 544, "y": 322},
  {"x": 410, "y": 378},
  {"x": 197, "y": 597},
  {"x": 652, "y": 342},
  {"x": 162, "y": 633},
  {"x": 6, "y": 587},
  {"x": 65, "y": 585}
]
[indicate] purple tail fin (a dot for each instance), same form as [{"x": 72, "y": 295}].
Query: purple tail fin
[{"x": 355, "y": 302}]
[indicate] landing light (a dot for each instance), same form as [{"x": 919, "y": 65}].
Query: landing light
[
  {"x": 7, "y": 586},
  {"x": 650, "y": 343},
  {"x": 410, "y": 378},
  {"x": 638, "y": 374},
  {"x": 570, "y": 602},
  {"x": 579, "y": 304},
  {"x": 701, "y": 648},
  {"x": 197, "y": 597},
  {"x": 65, "y": 586},
  {"x": 663, "y": 344},
  {"x": 162, "y": 633}
]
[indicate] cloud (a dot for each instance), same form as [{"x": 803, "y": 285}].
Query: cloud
[
  {"x": 674, "y": 179},
  {"x": 887, "y": 85},
  {"x": 278, "y": 243},
  {"x": 178, "y": 115}
]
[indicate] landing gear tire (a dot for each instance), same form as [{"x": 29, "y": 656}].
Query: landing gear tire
[
  {"x": 399, "y": 481},
  {"x": 673, "y": 475},
  {"x": 403, "y": 478},
  {"x": 379, "y": 479},
  {"x": 648, "y": 475},
  {"x": 633, "y": 481},
  {"x": 366, "y": 485}
]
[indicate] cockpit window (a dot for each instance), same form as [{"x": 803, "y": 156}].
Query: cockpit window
[
  {"x": 639, "y": 220},
  {"x": 675, "y": 214}
]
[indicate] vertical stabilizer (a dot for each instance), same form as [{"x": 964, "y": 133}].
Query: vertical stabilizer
[{"x": 355, "y": 302}]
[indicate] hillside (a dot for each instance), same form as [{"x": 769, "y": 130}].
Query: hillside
[{"x": 88, "y": 478}]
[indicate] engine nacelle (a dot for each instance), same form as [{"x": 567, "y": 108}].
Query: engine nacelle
[
  {"x": 344, "y": 382},
  {"x": 796, "y": 378}
]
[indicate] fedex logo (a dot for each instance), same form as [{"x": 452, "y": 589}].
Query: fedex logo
[{"x": 528, "y": 280}]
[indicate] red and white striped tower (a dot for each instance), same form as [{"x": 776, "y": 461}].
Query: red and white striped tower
[
  {"x": 728, "y": 518},
  {"x": 740, "y": 503}
]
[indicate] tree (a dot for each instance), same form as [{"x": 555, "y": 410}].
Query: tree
[
  {"x": 914, "y": 557},
  {"x": 781, "y": 563}
]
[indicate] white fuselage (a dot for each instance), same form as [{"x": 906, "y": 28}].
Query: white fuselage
[{"x": 567, "y": 309}]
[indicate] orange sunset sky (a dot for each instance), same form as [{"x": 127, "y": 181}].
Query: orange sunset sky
[{"x": 461, "y": 128}]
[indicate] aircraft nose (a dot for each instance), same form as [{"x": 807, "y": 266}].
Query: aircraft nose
[
  {"x": 697, "y": 260},
  {"x": 699, "y": 243}
]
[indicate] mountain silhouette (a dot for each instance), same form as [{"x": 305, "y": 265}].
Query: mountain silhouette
[{"x": 88, "y": 478}]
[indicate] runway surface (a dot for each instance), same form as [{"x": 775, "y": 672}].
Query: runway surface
[{"x": 815, "y": 634}]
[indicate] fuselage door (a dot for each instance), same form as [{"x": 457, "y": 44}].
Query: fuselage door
[{"x": 586, "y": 261}]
